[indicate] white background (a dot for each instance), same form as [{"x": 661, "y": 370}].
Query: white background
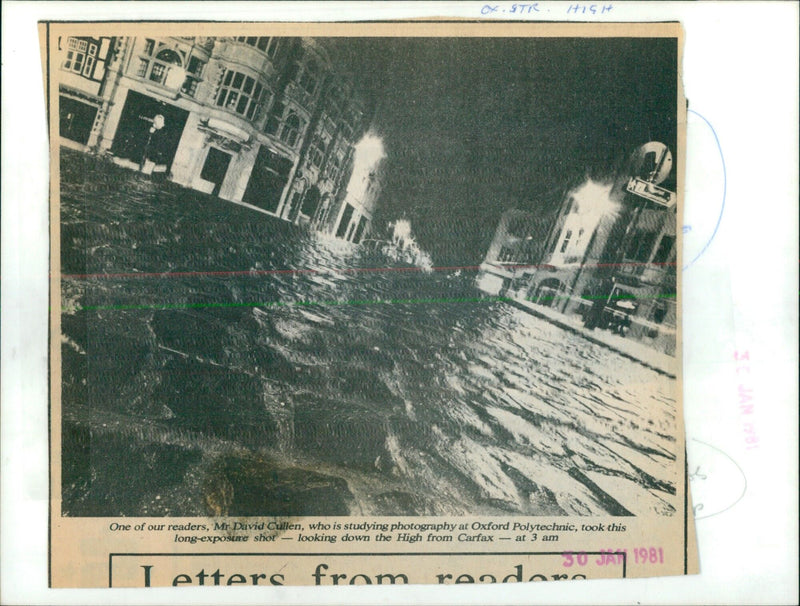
[{"x": 740, "y": 76}]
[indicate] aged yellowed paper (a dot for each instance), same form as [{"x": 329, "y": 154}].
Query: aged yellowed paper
[{"x": 379, "y": 303}]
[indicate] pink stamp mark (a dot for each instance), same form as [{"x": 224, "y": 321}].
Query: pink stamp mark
[
  {"x": 641, "y": 555},
  {"x": 745, "y": 398}
]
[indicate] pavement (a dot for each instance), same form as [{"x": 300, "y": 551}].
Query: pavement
[{"x": 633, "y": 350}]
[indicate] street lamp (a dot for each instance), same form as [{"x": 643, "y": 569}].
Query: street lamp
[{"x": 157, "y": 123}]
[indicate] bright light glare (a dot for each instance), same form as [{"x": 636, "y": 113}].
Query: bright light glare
[
  {"x": 595, "y": 201},
  {"x": 367, "y": 156},
  {"x": 402, "y": 229}
]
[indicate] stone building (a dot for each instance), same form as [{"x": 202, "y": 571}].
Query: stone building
[
  {"x": 352, "y": 215},
  {"x": 82, "y": 62},
  {"x": 608, "y": 255},
  {"x": 267, "y": 122}
]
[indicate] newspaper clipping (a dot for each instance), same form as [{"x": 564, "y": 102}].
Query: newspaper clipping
[{"x": 365, "y": 304}]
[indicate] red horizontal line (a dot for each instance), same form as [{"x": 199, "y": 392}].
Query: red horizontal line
[
  {"x": 268, "y": 272},
  {"x": 254, "y": 272}
]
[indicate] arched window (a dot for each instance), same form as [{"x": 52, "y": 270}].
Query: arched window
[
  {"x": 291, "y": 130},
  {"x": 334, "y": 167},
  {"x": 317, "y": 152},
  {"x": 169, "y": 56},
  {"x": 157, "y": 69}
]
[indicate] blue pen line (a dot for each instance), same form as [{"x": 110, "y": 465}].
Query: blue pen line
[{"x": 724, "y": 189}]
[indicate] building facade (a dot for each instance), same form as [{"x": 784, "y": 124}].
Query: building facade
[
  {"x": 354, "y": 211},
  {"x": 267, "y": 122},
  {"x": 608, "y": 255}
]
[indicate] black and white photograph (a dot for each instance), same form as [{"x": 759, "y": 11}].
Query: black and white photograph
[{"x": 368, "y": 276}]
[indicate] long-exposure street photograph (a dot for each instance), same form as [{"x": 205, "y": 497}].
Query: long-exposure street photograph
[{"x": 368, "y": 276}]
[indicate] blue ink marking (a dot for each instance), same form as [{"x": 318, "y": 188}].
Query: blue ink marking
[
  {"x": 488, "y": 9},
  {"x": 724, "y": 190},
  {"x": 591, "y": 8},
  {"x": 525, "y": 8}
]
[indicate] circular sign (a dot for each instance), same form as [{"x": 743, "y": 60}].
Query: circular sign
[{"x": 652, "y": 162}]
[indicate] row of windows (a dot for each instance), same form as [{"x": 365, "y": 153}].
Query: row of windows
[
  {"x": 81, "y": 57},
  {"x": 568, "y": 237},
  {"x": 77, "y": 44},
  {"x": 156, "y": 68},
  {"x": 287, "y": 125},
  {"x": 307, "y": 75},
  {"x": 334, "y": 167},
  {"x": 641, "y": 246},
  {"x": 194, "y": 72},
  {"x": 240, "y": 93},
  {"x": 267, "y": 45}
]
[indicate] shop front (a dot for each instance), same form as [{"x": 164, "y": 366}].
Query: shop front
[{"x": 149, "y": 132}]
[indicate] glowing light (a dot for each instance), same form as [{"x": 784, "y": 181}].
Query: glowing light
[
  {"x": 592, "y": 204},
  {"x": 594, "y": 201},
  {"x": 367, "y": 156},
  {"x": 402, "y": 229}
]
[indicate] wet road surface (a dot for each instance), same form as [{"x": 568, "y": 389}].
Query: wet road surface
[{"x": 217, "y": 361}]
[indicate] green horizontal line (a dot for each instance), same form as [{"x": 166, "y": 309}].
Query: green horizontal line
[
  {"x": 338, "y": 303},
  {"x": 606, "y": 297}
]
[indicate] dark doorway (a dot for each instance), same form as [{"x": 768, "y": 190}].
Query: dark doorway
[
  {"x": 289, "y": 209},
  {"x": 346, "y": 216},
  {"x": 311, "y": 201},
  {"x": 134, "y": 140},
  {"x": 75, "y": 119},
  {"x": 268, "y": 180},
  {"x": 215, "y": 168},
  {"x": 362, "y": 224}
]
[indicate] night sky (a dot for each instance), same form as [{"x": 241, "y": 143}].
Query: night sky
[{"x": 474, "y": 126}]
